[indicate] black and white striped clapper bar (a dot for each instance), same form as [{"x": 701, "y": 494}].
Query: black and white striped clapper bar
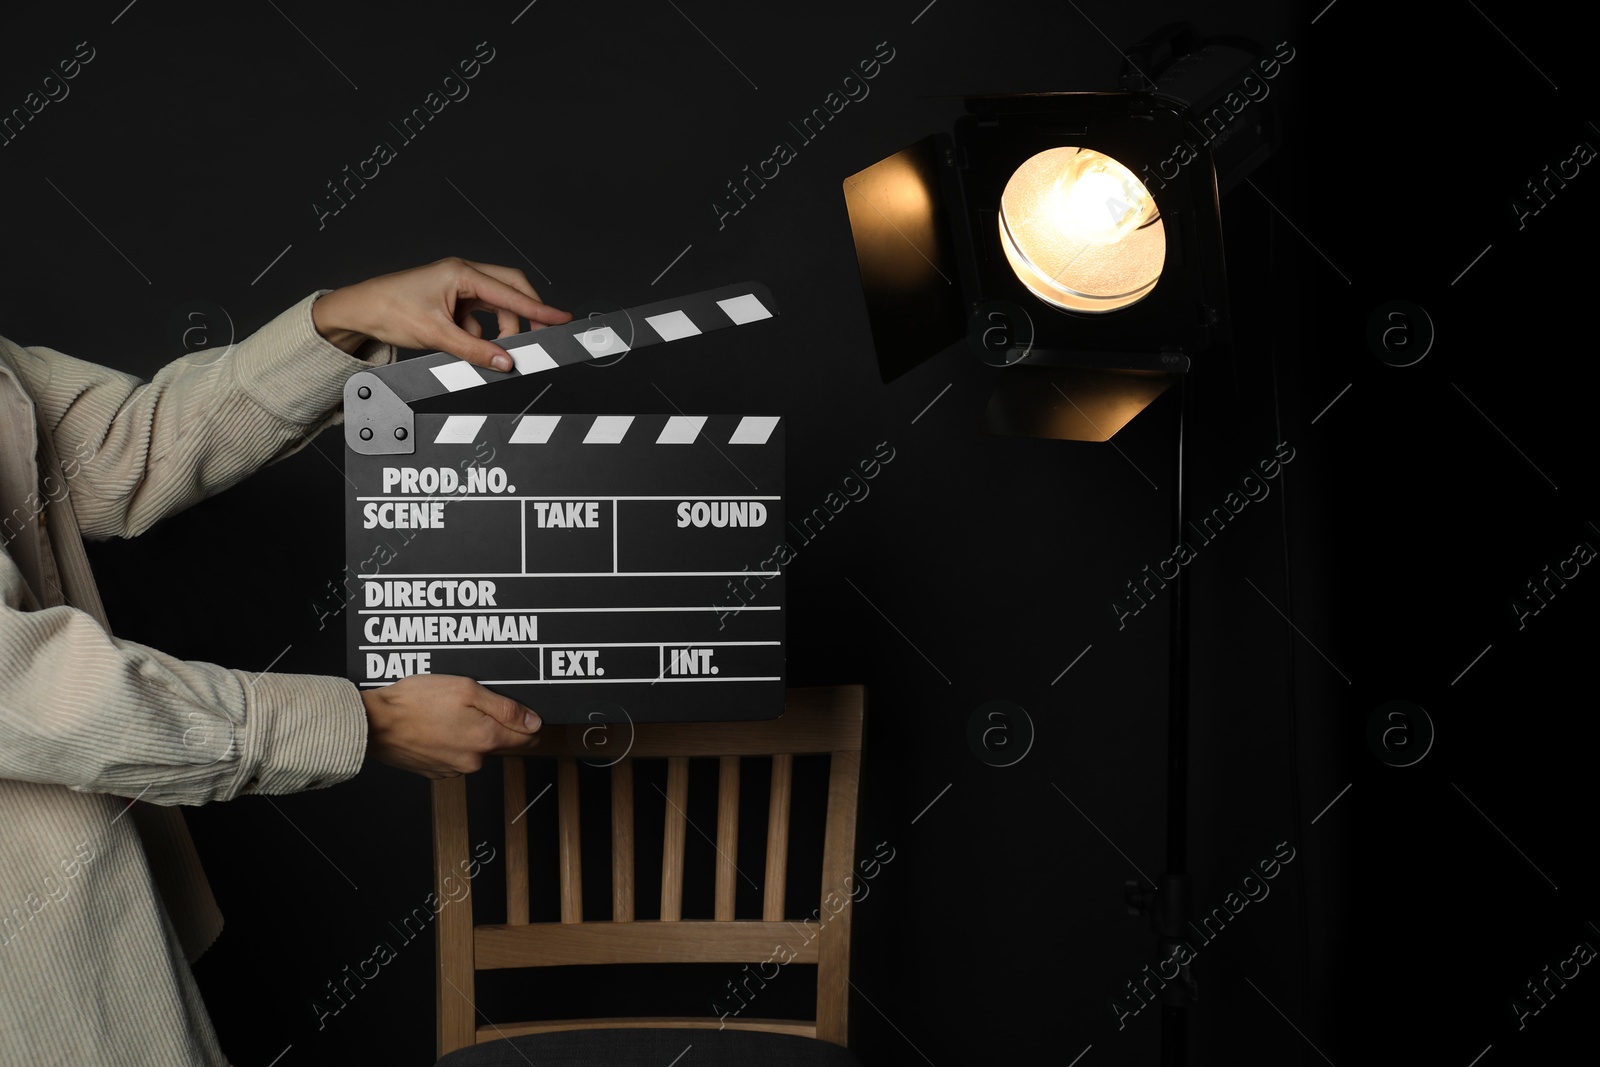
[{"x": 598, "y": 568}]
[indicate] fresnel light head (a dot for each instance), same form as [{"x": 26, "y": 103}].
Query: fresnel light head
[{"x": 1074, "y": 238}]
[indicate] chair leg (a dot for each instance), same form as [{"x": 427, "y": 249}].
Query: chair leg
[{"x": 453, "y": 926}]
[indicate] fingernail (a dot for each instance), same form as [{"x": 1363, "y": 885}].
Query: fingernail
[
  {"x": 531, "y": 721},
  {"x": 502, "y": 362}
]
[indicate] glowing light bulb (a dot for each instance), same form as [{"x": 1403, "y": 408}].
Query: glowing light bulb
[
  {"x": 1081, "y": 231},
  {"x": 1098, "y": 199}
]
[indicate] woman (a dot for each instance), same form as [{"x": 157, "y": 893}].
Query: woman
[{"x": 100, "y": 914}]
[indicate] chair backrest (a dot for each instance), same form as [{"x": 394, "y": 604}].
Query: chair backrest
[{"x": 821, "y": 720}]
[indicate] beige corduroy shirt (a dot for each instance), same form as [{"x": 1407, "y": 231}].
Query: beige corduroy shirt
[{"x": 103, "y": 902}]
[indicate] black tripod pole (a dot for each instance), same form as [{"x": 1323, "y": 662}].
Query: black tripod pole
[{"x": 1172, "y": 896}]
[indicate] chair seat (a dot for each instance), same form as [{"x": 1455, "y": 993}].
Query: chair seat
[{"x": 653, "y": 1048}]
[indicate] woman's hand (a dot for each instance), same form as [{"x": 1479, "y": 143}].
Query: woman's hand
[
  {"x": 440, "y": 726},
  {"x": 431, "y": 308}
]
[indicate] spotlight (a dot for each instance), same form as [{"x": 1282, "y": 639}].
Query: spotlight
[
  {"x": 1072, "y": 238},
  {"x": 1084, "y": 232}
]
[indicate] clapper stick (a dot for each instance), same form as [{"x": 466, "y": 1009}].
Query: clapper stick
[
  {"x": 378, "y": 403},
  {"x": 602, "y": 569}
]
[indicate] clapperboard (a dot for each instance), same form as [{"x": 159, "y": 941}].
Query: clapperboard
[{"x": 593, "y": 567}]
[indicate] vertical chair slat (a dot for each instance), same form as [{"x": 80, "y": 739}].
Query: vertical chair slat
[
  {"x": 838, "y": 866},
  {"x": 778, "y": 838},
  {"x": 567, "y": 816},
  {"x": 727, "y": 838},
  {"x": 673, "y": 839},
  {"x": 622, "y": 841},
  {"x": 457, "y": 1027},
  {"x": 516, "y": 789}
]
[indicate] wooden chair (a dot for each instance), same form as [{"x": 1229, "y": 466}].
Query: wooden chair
[{"x": 820, "y": 720}]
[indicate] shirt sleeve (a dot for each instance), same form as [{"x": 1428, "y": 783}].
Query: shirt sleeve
[
  {"x": 83, "y": 709},
  {"x": 140, "y": 451}
]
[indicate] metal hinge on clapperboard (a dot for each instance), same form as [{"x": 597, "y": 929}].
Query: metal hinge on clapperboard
[{"x": 598, "y": 568}]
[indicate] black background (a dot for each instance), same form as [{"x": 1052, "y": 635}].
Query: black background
[{"x": 188, "y": 156}]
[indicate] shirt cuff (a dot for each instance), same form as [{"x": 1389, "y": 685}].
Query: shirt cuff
[
  {"x": 308, "y": 731},
  {"x": 294, "y": 372}
]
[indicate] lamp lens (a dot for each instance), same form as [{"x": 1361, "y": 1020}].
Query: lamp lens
[{"x": 1081, "y": 231}]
